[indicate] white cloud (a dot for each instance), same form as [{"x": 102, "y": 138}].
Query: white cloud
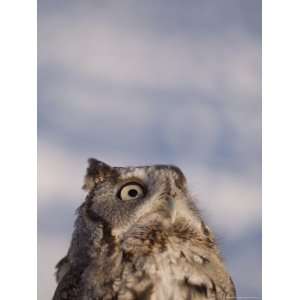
[
  {"x": 60, "y": 173},
  {"x": 195, "y": 130},
  {"x": 101, "y": 50},
  {"x": 220, "y": 69}
]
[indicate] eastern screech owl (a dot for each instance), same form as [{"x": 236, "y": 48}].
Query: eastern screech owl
[{"x": 138, "y": 235}]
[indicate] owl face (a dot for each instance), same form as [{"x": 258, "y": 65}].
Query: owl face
[{"x": 119, "y": 195}]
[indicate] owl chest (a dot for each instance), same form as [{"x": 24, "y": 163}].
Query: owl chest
[{"x": 157, "y": 274}]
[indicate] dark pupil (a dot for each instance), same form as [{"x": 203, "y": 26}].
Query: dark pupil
[{"x": 132, "y": 193}]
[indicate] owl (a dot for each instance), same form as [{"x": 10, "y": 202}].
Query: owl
[{"x": 138, "y": 235}]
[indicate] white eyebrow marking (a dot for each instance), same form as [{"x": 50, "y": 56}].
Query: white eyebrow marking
[{"x": 137, "y": 172}]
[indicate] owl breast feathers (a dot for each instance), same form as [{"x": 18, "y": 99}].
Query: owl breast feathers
[{"x": 138, "y": 235}]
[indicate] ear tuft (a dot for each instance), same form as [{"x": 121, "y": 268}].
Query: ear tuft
[{"x": 95, "y": 172}]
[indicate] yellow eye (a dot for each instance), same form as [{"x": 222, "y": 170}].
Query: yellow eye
[{"x": 131, "y": 191}]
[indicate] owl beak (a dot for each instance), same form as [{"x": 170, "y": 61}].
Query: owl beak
[{"x": 172, "y": 208}]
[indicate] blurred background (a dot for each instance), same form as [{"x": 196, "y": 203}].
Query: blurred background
[{"x": 144, "y": 82}]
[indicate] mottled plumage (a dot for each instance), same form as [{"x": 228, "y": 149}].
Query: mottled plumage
[{"x": 138, "y": 235}]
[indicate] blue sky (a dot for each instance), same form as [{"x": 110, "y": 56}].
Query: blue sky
[{"x": 142, "y": 82}]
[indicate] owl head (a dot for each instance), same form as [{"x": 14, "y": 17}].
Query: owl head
[{"x": 122, "y": 196}]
